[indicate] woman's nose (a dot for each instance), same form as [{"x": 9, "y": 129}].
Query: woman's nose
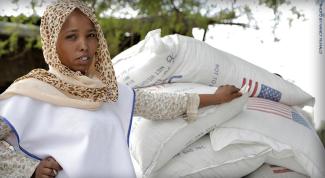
[{"x": 83, "y": 44}]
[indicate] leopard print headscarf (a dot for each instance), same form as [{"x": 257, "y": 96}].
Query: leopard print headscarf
[{"x": 64, "y": 79}]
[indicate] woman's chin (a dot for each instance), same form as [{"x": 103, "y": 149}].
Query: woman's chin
[{"x": 82, "y": 70}]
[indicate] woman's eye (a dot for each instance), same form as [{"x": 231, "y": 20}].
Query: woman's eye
[
  {"x": 71, "y": 37},
  {"x": 92, "y": 35}
]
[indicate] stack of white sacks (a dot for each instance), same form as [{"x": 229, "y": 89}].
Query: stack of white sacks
[{"x": 266, "y": 126}]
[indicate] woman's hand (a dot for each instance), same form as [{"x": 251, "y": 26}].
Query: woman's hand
[
  {"x": 47, "y": 168},
  {"x": 223, "y": 94}
]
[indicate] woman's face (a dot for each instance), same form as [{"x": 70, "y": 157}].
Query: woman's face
[{"x": 77, "y": 42}]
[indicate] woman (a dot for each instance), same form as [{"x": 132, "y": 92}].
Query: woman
[{"x": 74, "y": 120}]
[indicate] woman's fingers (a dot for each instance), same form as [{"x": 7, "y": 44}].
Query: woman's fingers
[
  {"x": 45, "y": 176},
  {"x": 53, "y": 164},
  {"x": 232, "y": 88},
  {"x": 235, "y": 90},
  {"x": 47, "y": 168},
  {"x": 237, "y": 94},
  {"x": 226, "y": 93},
  {"x": 47, "y": 172},
  {"x": 50, "y": 167},
  {"x": 234, "y": 94}
]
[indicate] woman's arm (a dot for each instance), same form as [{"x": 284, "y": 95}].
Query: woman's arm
[
  {"x": 13, "y": 163},
  {"x": 158, "y": 106}
]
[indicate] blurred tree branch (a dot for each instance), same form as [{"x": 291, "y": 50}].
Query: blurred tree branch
[{"x": 136, "y": 18}]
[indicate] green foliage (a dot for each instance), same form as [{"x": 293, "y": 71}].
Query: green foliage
[
  {"x": 171, "y": 16},
  {"x": 274, "y": 4},
  {"x": 10, "y": 44},
  {"x": 3, "y": 45}
]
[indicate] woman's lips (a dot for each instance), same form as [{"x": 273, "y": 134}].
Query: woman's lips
[{"x": 83, "y": 60}]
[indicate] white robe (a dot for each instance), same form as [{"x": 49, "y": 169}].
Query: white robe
[{"x": 85, "y": 143}]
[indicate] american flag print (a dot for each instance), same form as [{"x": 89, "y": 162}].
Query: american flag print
[
  {"x": 265, "y": 91},
  {"x": 250, "y": 85},
  {"x": 269, "y": 93},
  {"x": 282, "y": 110}
]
